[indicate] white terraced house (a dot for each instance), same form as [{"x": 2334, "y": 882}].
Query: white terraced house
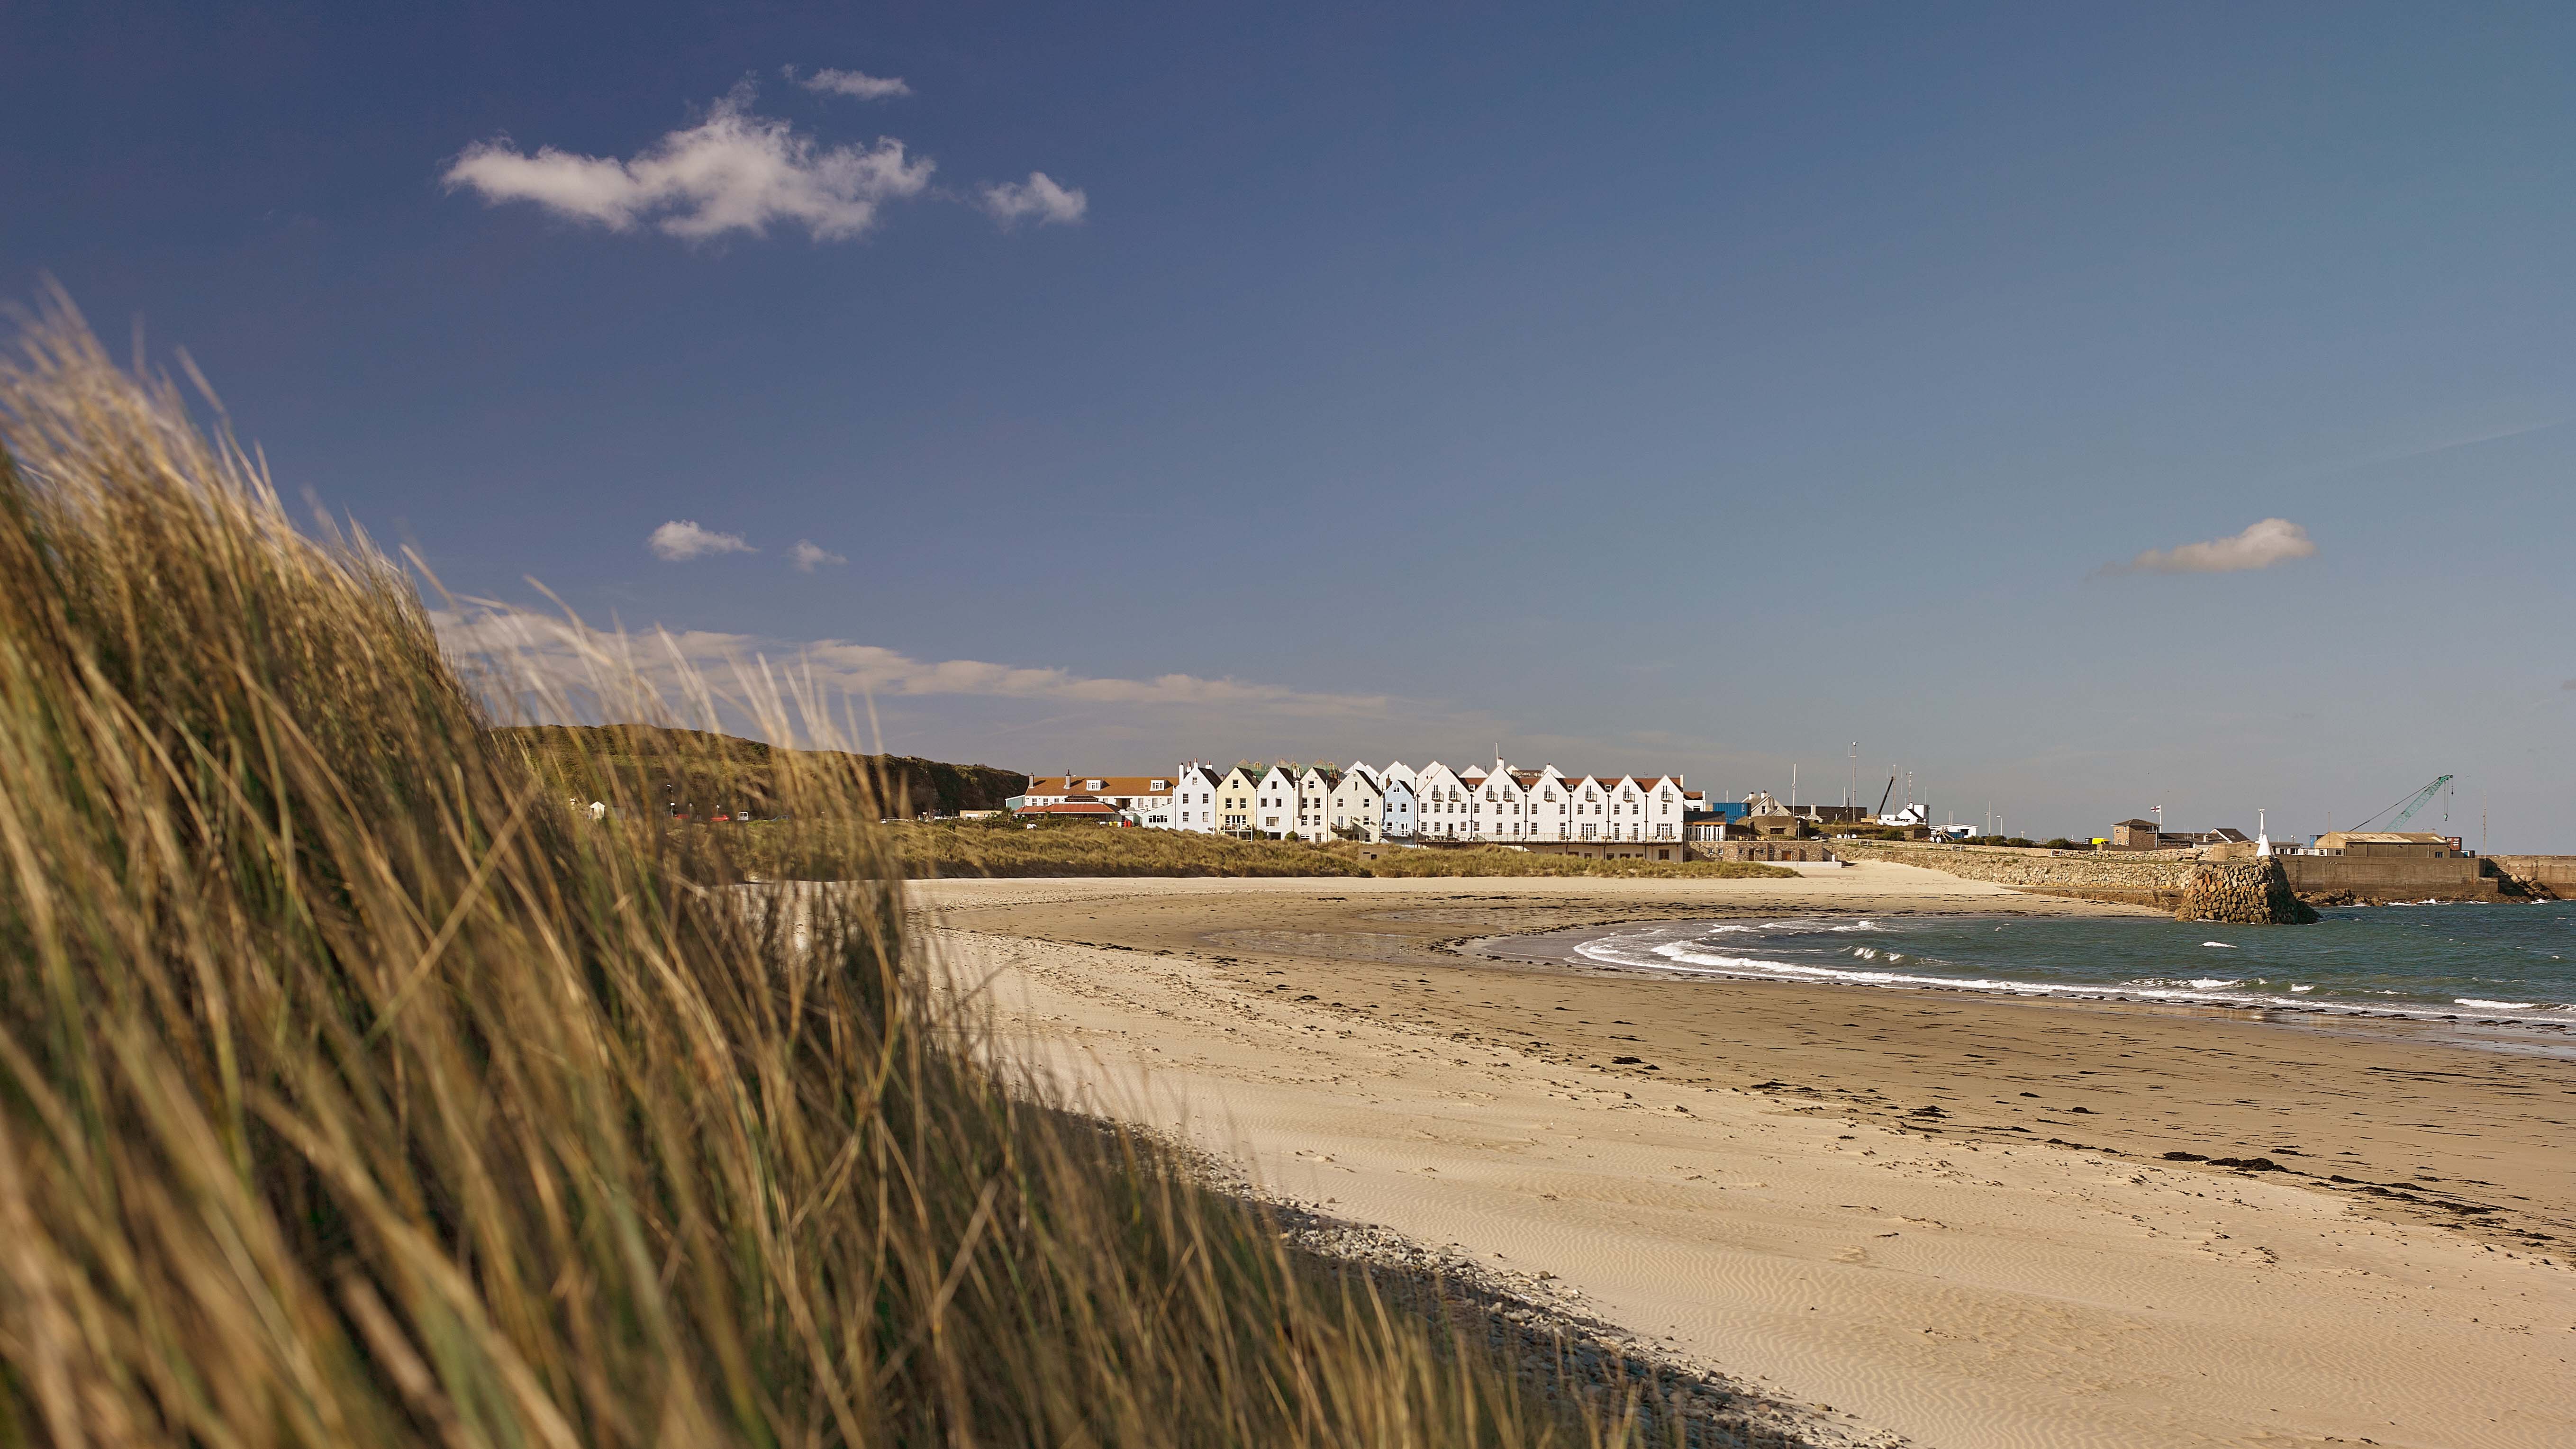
[
  {"x": 1443, "y": 801},
  {"x": 1314, "y": 799},
  {"x": 1194, "y": 792},
  {"x": 1358, "y": 803},
  {"x": 1277, "y": 793},
  {"x": 1504, "y": 805},
  {"x": 1520, "y": 806}
]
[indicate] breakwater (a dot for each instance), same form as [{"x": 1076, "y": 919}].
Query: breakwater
[{"x": 2163, "y": 877}]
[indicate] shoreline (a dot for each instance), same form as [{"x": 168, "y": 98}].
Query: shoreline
[
  {"x": 1948, "y": 1213},
  {"x": 2533, "y": 1033}
]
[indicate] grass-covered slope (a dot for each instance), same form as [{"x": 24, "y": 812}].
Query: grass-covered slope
[
  {"x": 1004, "y": 848},
  {"x": 354, "y": 1091},
  {"x": 647, "y": 767}
]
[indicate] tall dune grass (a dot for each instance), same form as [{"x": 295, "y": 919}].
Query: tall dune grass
[{"x": 355, "y": 1091}]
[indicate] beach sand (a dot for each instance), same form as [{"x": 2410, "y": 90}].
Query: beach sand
[{"x": 1761, "y": 1189}]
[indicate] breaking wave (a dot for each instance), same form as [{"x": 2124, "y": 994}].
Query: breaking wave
[{"x": 2385, "y": 965}]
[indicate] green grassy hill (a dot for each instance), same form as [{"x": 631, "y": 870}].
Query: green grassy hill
[{"x": 647, "y": 767}]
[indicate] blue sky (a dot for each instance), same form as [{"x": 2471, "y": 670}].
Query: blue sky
[{"x": 1691, "y": 387}]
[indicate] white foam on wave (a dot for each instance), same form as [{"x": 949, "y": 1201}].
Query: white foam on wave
[
  {"x": 1643, "y": 950},
  {"x": 2221, "y": 945}
]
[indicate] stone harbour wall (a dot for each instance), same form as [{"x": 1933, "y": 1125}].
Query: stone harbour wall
[
  {"x": 2147, "y": 878},
  {"x": 2256, "y": 893},
  {"x": 2163, "y": 878}
]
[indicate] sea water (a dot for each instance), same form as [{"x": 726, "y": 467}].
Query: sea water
[{"x": 2437, "y": 962}]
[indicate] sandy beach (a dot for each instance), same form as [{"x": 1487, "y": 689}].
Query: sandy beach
[{"x": 1937, "y": 1215}]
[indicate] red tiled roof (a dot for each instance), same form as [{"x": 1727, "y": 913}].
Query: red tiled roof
[{"x": 1109, "y": 785}]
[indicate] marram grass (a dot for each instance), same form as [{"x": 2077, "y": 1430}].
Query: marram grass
[{"x": 354, "y": 1091}]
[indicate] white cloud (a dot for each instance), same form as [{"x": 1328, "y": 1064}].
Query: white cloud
[
  {"x": 805, "y": 555},
  {"x": 850, "y": 83},
  {"x": 2261, "y": 545},
  {"x": 1011, "y": 202},
  {"x": 681, "y": 540},
  {"x": 733, "y": 171}
]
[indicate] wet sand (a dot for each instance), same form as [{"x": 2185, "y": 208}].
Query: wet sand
[{"x": 1947, "y": 1213}]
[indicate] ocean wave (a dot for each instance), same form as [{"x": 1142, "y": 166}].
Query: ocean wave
[{"x": 1704, "y": 951}]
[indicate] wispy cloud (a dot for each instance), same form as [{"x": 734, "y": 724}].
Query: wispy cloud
[
  {"x": 849, "y": 83},
  {"x": 682, "y": 539},
  {"x": 1039, "y": 197},
  {"x": 545, "y": 651},
  {"x": 733, "y": 171},
  {"x": 2261, "y": 545},
  {"x": 806, "y": 554}
]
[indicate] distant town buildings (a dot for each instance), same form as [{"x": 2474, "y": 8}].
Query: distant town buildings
[
  {"x": 2148, "y": 835},
  {"x": 1504, "y": 804}
]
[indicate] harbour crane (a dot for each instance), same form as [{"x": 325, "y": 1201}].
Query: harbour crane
[{"x": 2411, "y": 804}]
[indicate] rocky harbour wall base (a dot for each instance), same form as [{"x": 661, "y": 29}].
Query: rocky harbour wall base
[
  {"x": 2255, "y": 894},
  {"x": 2543, "y": 876}
]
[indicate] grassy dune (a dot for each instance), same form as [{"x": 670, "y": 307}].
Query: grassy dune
[
  {"x": 354, "y": 1091},
  {"x": 645, "y": 768},
  {"x": 794, "y": 850}
]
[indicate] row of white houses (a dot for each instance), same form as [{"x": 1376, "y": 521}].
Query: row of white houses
[{"x": 1506, "y": 804}]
